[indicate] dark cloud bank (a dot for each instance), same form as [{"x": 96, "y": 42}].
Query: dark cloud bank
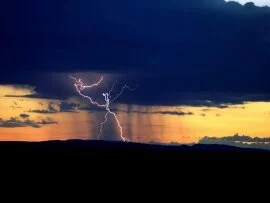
[{"x": 218, "y": 51}]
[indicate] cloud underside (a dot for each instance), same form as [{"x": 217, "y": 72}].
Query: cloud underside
[
  {"x": 151, "y": 97},
  {"x": 14, "y": 122},
  {"x": 173, "y": 113},
  {"x": 53, "y": 107}
]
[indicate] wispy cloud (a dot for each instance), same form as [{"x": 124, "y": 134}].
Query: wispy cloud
[
  {"x": 175, "y": 113},
  {"x": 15, "y": 122},
  {"x": 55, "y": 107},
  {"x": 206, "y": 110},
  {"x": 68, "y": 107},
  {"x": 24, "y": 116},
  {"x": 30, "y": 96},
  {"x": 50, "y": 110},
  {"x": 238, "y": 140},
  {"x": 16, "y": 107}
]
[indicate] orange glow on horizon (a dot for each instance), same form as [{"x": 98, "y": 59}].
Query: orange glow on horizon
[{"x": 250, "y": 119}]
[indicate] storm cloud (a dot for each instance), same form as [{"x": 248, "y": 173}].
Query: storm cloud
[{"x": 170, "y": 48}]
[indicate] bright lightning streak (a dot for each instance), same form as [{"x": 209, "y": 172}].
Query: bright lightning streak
[
  {"x": 80, "y": 87},
  {"x": 123, "y": 88},
  {"x": 107, "y": 96}
]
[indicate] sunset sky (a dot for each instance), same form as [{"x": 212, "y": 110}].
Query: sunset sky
[{"x": 197, "y": 68}]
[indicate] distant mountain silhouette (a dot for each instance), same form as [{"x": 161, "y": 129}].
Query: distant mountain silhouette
[{"x": 119, "y": 150}]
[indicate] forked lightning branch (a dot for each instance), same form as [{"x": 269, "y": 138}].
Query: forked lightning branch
[{"x": 108, "y": 99}]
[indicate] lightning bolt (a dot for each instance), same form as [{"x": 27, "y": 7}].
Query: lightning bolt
[{"x": 79, "y": 86}]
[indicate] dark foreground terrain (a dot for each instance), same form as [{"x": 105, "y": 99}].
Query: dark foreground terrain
[{"x": 103, "y": 150}]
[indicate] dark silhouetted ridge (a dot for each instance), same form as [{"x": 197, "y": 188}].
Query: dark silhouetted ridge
[{"x": 119, "y": 150}]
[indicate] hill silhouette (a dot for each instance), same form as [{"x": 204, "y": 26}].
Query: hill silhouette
[{"x": 108, "y": 150}]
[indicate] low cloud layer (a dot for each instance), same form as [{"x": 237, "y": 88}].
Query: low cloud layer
[
  {"x": 54, "y": 107},
  {"x": 239, "y": 141},
  {"x": 173, "y": 113},
  {"x": 15, "y": 122}
]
